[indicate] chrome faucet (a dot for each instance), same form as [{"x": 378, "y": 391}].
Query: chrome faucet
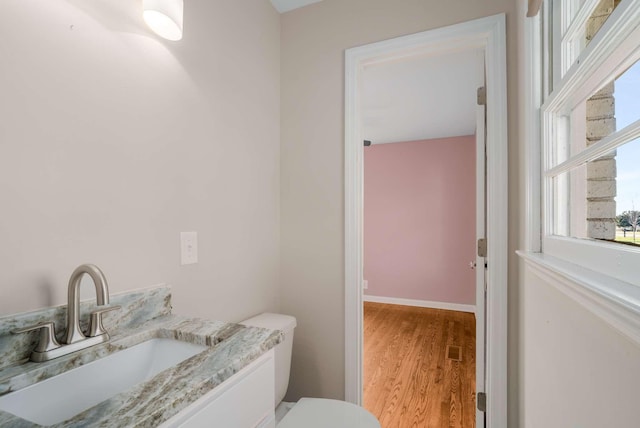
[{"x": 74, "y": 339}]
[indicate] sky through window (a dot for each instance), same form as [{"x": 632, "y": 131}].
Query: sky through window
[{"x": 627, "y": 99}]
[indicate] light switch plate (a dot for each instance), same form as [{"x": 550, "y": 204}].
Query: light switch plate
[
  {"x": 365, "y": 284},
  {"x": 188, "y": 248}
]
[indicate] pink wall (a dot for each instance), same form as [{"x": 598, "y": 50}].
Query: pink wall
[{"x": 419, "y": 220}]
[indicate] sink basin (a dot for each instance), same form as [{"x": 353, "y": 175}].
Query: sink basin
[{"x": 61, "y": 397}]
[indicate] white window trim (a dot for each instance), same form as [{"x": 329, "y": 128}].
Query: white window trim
[
  {"x": 533, "y": 82},
  {"x": 601, "y": 148},
  {"x": 612, "y": 293},
  {"x": 607, "y": 53},
  {"x": 616, "y": 302},
  {"x": 574, "y": 30}
]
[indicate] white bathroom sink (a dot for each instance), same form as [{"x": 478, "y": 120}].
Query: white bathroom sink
[{"x": 61, "y": 397}]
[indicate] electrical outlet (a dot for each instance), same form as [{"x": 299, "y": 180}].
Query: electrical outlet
[
  {"x": 365, "y": 284},
  {"x": 188, "y": 248}
]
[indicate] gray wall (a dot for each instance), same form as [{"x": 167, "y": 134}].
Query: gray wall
[
  {"x": 112, "y": 141},
  {"x": 312, "y": 164}
]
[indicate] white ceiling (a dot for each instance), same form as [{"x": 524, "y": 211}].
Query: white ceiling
[
  {"x": 283, "y": 6},
  {"x": 421, "y": 98}
]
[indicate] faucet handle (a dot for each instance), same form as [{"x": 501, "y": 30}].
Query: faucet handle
[
  {"x": 95, "y": 321},
  {"x": 47, "y": 340}
]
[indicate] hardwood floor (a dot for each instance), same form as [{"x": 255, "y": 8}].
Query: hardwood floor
[{"x": 408, "y": 379}]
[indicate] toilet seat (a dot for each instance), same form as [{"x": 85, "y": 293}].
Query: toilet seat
[{"x": 325, "y": 413}]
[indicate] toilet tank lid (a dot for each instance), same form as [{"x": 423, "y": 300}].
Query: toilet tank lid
[{"x": 271, "y": 321}]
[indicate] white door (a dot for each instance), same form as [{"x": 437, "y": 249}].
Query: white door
[{"x": 481, "y": 294}]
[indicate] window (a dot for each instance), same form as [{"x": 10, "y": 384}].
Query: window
[{"x": 591, "y": 135}]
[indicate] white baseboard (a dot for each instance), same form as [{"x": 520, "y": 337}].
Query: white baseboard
[{"x": 420, "y": 303}]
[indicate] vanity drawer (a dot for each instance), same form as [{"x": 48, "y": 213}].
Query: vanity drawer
[{"x": 245, "y": 400}]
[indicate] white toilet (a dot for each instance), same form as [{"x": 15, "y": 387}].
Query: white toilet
[{"x": 308, "y": 412}]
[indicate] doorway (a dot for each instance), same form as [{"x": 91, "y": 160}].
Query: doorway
[
  {"x": 488, "y": 35},
  {"x": 419, "y": 329}
]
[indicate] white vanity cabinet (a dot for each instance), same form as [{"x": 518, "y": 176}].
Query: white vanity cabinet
[{"x": 245, "y": 400}]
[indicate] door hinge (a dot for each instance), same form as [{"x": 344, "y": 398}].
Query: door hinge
[
  {"x": 482, "y": 247},
  {"x": 482, "y": 401},
  {"x": 482, "y": 96}
]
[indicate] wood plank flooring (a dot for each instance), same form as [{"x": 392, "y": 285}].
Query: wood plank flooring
[{"x": 408, "y": 379}]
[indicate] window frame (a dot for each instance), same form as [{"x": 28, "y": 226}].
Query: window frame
[
  {"x": 613, "y": 49},
  {"x": 615, "y": 301}
]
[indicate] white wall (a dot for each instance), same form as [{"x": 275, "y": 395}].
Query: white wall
[
  {"x": 314, "y": 39},
  {"x": 578, "y": 371},
  {"x": 112, "y": 141}
]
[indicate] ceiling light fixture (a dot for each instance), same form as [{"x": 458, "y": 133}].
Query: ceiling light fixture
[{"x": 164, "y": 17}]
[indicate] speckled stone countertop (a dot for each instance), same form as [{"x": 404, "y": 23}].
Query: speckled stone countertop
[{"x": 231, "y": 348}]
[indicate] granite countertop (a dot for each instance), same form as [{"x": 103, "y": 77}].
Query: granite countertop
[{"x": 231, "y": 347}]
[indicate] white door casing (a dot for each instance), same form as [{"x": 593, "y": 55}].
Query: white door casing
[
  {"x": 480, "y": 261},
  {"x": 488, "y": 34}
]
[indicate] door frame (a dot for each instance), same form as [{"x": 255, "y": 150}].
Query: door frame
[
  {"x": 481, "y": 271},
  {"x": 488, "y": 34}
]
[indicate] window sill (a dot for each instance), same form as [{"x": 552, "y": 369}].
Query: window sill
[{"x": 616, "y": 302}]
